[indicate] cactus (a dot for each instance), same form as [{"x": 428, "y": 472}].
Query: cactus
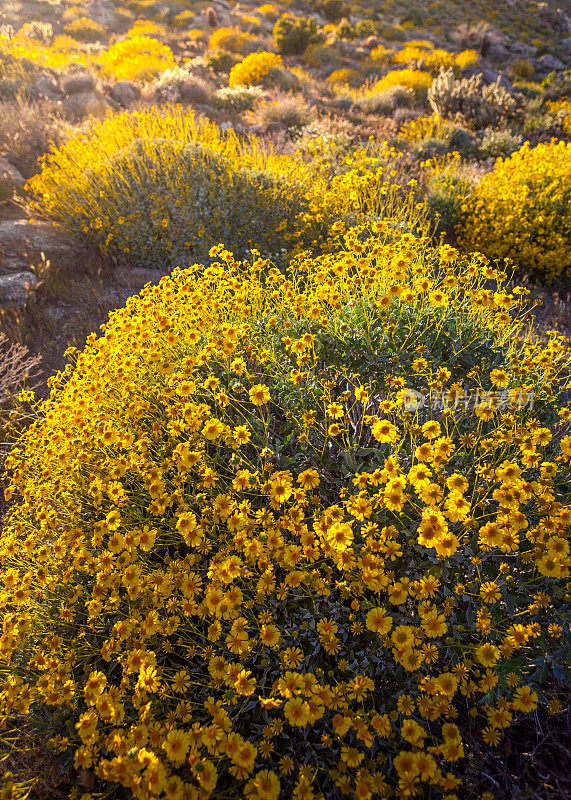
[{"x": 483, "y": 105}]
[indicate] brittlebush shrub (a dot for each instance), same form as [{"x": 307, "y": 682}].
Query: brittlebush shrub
[
  {"x": 137, "y": 58},
  {"x": 255, "y": 69},
  {"x": 232, "y": 546},
  {"x": 522, "y": 210},
  {"x": 414, "y": 79},
  {"x": 158, "y": 189}
]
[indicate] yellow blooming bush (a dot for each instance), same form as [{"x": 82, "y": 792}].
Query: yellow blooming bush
[
  {"x": 345, "y": 77},
  {"x": 245, "y": 560},
  {"x": 417, "y": 56},
  {"x": 159, "y": 188},
  {"x": 416, "y": 80},
  {"x": 255, "y": 69},
  {"x": 137, "y": 57},
  {"x": 522, "y": 210},
  {"x": 466, "y": 59},
  {"x": 59, "y": 54}
]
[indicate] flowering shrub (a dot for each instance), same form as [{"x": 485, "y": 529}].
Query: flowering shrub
[
  {"x": 345, "y": 77},
  {"x": 414, "y": 79},
  {"x": 426, "y": 127},
  {"x": 233, "y": 547},
  {"x": 255, "y": 69},
  {"x": 59, "y": 54},
  {"x": 522, "y": 210},
  {"x": 466, "y": 59},
  {"x": 161, "y": 188},
  {"x": 138, "y": 57},
  {"x": 233, "y": 40},
  {"x": 84, "y": 29},
  {"x": 420, "y": 57},
  {"x": 292, "y": 35}
]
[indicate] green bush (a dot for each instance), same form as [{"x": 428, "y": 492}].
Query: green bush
[{"x": 293, "y": 35}]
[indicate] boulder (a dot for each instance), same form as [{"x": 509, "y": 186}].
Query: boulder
[
  {"x": 87, "y": 104},
  {"x": 497, "y": 52},
  {"x": 103, "y": 12},
  {"x": 15, "y": 289},
  {"x": 45, "y": 87},
  {"x": 22, "y": 243},
  {"x": 491, "y": 76},
  {"x": 10, "y": 179},
  {"x": 125, "y": 93},
  {"x": 550, "y": 63},
  {"x": 522, "y": 50},
  {"x": 80, "y": 82}
]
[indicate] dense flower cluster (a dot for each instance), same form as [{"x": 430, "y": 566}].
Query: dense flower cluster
[
  {"x": 254, "y": 69},
  {"x": 415, "y": 79},
  {"x": 522, "y": 210},
  {"x": 138, "y": 57},
  {"x": 240, "y": 563}
]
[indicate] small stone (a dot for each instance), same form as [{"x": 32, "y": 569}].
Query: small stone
[
  {"x": 125, "y": 93},
  {"x": 87, "y": 104},
  {"x": 15, "y": 289},
  {"x": 10, "y": 179}
]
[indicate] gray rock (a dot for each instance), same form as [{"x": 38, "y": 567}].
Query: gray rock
[
  {"x": 522, "y": 50},
  {"x": 567, "y": 43},
  {"x": 79, "y": 82},
  {"x": 497, "y": 52},
  {"x": 22, "y": 243},
  {"x": 125, "y": 93},
  {"x": 10, "y": 179},
  {"x": 102, "y": 12},
  {"x": 491, "y": 76},
  {"x": 550, "y": 63},
  {"x": 15, "y": 289},
  {"x": 87, "y": 104},
  {"x": 45, "y": 87}
]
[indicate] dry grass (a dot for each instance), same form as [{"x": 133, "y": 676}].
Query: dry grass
[{"x": 27, "y": 130}]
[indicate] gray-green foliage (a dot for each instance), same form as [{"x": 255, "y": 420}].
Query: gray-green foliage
[{"x": 483, "y": 105}]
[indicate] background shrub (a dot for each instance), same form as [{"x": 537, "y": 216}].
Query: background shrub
[
  {"x": 522, "y": 210},
  {"x": 233, "y": 40},
  {"x": 228, "y": 523},
  {"x": 293, "y": 35},
  {"x": 255, "y": 69},
  {"x": 85, "y": 29},
  {"x": 137, "y": 58}
]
